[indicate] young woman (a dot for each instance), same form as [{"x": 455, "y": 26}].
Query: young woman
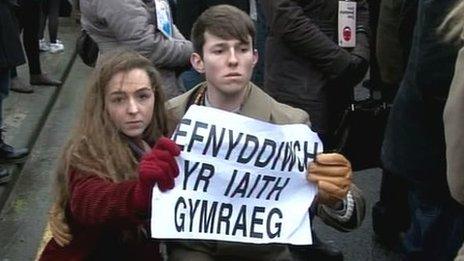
[{"x": 107, "y": 170}]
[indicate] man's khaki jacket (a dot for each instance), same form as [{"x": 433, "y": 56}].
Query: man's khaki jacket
[{"x": 260, "y": 106}]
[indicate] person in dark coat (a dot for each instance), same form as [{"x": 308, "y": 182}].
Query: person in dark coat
[
  {"x": 187, "y": 11},
  {"x": 28, "y": 15},
  {"x": 305, "y": 67},
  {"x": 11, "y": 55},
  {"x": 414, "y": 144},
  {"x": 390, "y": 215}
]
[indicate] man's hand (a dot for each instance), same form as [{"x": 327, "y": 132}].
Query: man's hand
[
  {"x": 332, "y": 174},
  {"x": 58, "y": 226}
]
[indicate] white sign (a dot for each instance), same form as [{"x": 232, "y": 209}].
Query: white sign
[
  {"x": 347, "y": 23},
  {"x": 163, "y": 17},
  {"x": 240, "y": 180}
]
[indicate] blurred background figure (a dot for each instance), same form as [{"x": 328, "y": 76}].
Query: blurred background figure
[
  {"x": 414, "y": 144},
  {"x": 306, "y": 68},
  {"x": 132, "y": 24},
  {"x": 50, "y": 12},
  {"x": 76, "y": 11},
  {"x": 390, "y": 215},
  {"x": 453, "y": 27},
  {"x": 28, "y": 15},
  {"x": 11, "y": 55}
]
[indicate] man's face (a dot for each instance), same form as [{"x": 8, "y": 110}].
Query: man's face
[{"x": 227, "y": 64}]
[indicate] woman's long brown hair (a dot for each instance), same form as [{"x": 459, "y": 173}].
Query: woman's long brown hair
[{"x": 96, "y": 147}]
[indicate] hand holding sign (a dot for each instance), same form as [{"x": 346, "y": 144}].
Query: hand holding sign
[
  {"x": 332, "y": 173},
  {"x": 157, "y": 167}
]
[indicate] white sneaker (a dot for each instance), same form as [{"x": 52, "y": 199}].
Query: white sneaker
[
  {"x": 43, "y": 45},
  {"x": 56, "y": 47}
]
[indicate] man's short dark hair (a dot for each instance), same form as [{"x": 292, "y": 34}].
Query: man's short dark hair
[{"x": 224, "y": 21}]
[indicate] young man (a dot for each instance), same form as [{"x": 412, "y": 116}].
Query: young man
[{"x": 223, "y": 42}]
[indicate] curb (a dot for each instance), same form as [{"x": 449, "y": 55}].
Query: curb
[{"x": 15, "y": 170}]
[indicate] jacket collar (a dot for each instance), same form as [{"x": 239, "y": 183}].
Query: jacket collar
[{"x": 256, "y": 105}]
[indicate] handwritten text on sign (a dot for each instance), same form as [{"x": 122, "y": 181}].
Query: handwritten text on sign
[{"x": 240, "y": 180}]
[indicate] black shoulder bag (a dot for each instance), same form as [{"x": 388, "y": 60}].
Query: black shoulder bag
[
  {"x": 361, "y": 132},
  {"x": 87, "y": 48}
]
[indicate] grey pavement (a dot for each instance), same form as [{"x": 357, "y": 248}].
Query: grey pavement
[
  {"x": 360, "y": 243},
  {"x": 42, "y": 121}
]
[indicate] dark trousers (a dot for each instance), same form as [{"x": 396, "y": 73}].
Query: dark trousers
[
  {"x": 4, "y": 90},
  {"x": 437, "y": 226},
  {"x": 390, "y": 215},
  {"x": 50, "y": 9},
  {"x": 28, "y": 16}
]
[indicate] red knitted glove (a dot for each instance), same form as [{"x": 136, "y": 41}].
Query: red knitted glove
[{"x": 156, "y": 167}]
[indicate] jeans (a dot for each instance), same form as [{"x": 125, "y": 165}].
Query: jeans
[
  {"x": 29, "y": 22},
  {"x": 437, "y": 226},
  {"x": 50, "y": 10}
]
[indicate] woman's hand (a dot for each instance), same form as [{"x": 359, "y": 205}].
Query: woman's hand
[
  {"x": 156, "y": 167},
  {"x": 332, "y": 174}
]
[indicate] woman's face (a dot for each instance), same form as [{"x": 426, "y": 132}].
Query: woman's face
[{"x": 129, "y": 101}]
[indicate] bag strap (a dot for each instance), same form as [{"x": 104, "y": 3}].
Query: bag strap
[{"x": 344, "y": 128}]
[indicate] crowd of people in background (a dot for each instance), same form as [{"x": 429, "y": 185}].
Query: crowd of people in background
[
  {"x": 23, "y": 17},
  {"x": 28, "y": 15},
  {"x": 288, "y": 54}
]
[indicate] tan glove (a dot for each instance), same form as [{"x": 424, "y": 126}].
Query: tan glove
[
  {"x": 58, "y": 226},
  {"x": 332, "y": 174}
]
